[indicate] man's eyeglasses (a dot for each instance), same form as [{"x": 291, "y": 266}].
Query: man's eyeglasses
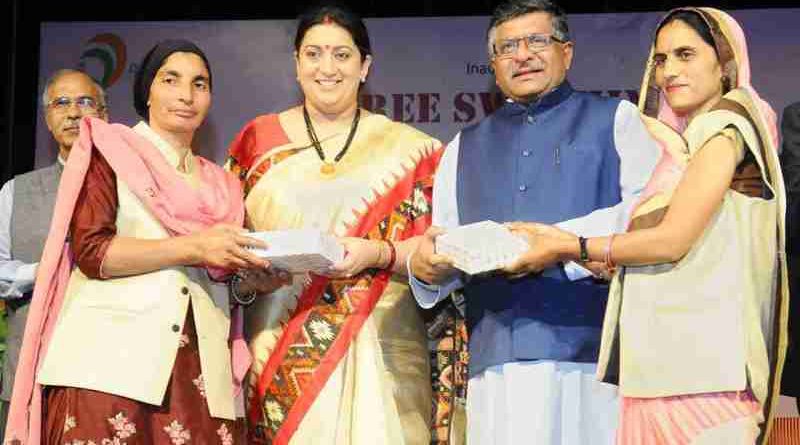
[
  {"x": 86, "y": 104},
  {"x": 534, "y": 42}
]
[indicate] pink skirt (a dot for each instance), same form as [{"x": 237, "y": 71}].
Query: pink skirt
[{"x": 678, "y": 420}]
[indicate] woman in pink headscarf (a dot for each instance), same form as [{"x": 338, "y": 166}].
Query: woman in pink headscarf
[
  {"x": 695, "y": 325},
  {"x": 132, "y": 346}
]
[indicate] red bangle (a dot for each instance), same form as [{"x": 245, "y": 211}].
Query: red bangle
[{"x": 392, "y": 255}]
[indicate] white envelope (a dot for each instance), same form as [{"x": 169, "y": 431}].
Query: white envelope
[
  {"x": 299, "y": 250},
  {"x": 481, "y": 247}
]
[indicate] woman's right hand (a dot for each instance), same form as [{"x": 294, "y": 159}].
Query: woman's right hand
[
  {"x": 532, "y": 230},
  {"x": 224, "y": 246},
  {"x": 546, "y": 247}
]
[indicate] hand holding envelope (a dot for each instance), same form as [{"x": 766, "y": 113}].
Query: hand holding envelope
[
  {"x": 481, "y": 247},
  {"x": 299, "y": 250}
]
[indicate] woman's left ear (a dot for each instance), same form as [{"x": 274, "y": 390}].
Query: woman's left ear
[{"x": 365, "y": 68}]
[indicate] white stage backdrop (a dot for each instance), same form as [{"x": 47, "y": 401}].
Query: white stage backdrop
[{"x": 429, "y": 72}]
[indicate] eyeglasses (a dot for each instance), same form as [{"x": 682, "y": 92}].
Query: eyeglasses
[
  {"x": 534, "y": 42},
  {"x": 86, "y": 104}
]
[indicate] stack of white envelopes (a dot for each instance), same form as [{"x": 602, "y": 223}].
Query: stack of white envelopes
[
  {"x": 481, "y": 247},
  {"x": 299, "y": 250}
]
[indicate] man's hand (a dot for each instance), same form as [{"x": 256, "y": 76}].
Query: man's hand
[
  {"x": 599, "y": 269},
  {"x": 427, "y": 265}
]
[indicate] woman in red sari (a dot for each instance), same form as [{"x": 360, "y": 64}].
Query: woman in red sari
[{"x": 340, "y": 359}]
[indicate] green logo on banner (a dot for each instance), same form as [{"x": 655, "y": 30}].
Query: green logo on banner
[{"x": 107, "y": 51}]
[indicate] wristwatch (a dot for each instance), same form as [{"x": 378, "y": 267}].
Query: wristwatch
[{"x": 584, "y": 252}]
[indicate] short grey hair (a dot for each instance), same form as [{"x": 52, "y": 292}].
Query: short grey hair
[
  {"x": 511, "y": 9},
  {"x": 58, "y": 74}
]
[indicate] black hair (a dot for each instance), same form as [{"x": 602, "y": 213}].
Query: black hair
[
  {"x": 695, "y": 21},
  {"x": 152, "y": 63},
  {"x": 340, "y": 15}
]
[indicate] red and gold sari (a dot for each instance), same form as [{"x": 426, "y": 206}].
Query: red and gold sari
[{"x": 338, "y": 361}]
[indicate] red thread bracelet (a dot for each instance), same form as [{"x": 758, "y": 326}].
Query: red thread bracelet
[{"x": 392, "y": 256}]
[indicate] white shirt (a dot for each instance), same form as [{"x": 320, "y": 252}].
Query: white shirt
[
  {"x": 16, "y": 277},
  {"x": 638, "y": 154}
]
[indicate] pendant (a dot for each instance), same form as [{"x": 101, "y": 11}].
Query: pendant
[{"x": 327, "y": 168}]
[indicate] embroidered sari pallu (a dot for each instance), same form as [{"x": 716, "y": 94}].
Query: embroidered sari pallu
[{"x": 338, "y": 361}]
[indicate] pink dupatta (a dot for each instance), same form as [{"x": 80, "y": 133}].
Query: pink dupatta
[
  {"x": 669, "y": 170},
  {"x": 179, "y": 207}
]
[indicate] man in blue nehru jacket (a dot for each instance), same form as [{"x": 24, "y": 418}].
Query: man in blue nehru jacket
[{"x": 554, "y": 155}]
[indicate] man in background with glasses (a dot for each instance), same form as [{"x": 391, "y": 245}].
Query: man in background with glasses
[
  {"x": 550, "y": 154},
  {"x": 26, "y": 206}
]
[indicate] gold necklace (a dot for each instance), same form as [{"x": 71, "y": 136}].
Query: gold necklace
[{"x": 329, "y": 168}]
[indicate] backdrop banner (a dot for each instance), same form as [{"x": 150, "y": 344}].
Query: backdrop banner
[{"x": 432, "y": 73}]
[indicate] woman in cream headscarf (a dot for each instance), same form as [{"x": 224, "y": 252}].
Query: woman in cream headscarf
[{"x": 695, "y": 323}]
